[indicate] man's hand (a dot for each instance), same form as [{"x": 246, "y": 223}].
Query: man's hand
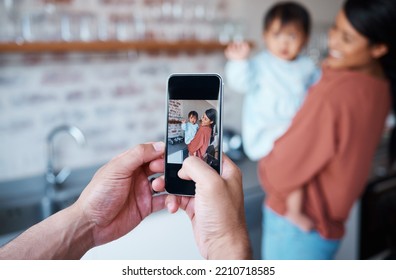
[
  {"x": 119, "y": 196},
  {"x": 216, "y": 211}
]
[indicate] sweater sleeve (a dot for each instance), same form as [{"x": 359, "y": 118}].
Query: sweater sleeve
[
  {"x": 197, "y": 142},
  {"x": 238, "y": 75},
  {"x": 302, "y": 151}
]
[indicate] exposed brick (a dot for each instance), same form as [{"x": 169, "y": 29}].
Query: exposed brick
[
  {"x": 74, "y": 96},
  {"x": 95, "y": 93},
  {"x": 105, "y": 112},
  {"x": 10, "y": 80},
  {"x": 32, "y": 59},
  {"x": 17, "y": 125},
  {"x": 126, "y": 91},
  {"x": 59, "y": 57},
  {"x": 120, "y": 72},
  {"x": 119, "y": 145},
  {"x": 118, "y": 2},
  {"x": 98, "y": 131},
  {"x": 154, "y": 69},
  {"x": 32, "y": 99},
  {"x": 61, "y": 76},
  {"x": 131, "y": 126},
  {"x": 116, "y": 98}
]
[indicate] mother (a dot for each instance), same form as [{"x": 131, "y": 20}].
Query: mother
[
  {"x": 204, "y": 135},
  {"x": 328, "y": 148}
]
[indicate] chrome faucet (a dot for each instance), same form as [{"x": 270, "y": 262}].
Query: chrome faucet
[
  {"x": 54, "y": 178},
  {"x": 76, "y": 133}
]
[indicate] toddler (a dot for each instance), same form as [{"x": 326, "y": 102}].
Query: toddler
[
  {"x": 191, "y": 127},
  {"x": 275, "y": 83}
]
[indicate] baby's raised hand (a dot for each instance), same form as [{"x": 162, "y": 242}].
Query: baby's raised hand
[{"x": 237, "y": 51}]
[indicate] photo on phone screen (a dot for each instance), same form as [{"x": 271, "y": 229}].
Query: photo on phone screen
[{"x": 194, "y": 107}]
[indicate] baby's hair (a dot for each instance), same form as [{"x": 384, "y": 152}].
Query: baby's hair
[
  {"x": 288, "y": 12},
  {"x": 193, "y": 114}
]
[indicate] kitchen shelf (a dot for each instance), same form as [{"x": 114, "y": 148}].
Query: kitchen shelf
[{"x": 107, "y": 46}]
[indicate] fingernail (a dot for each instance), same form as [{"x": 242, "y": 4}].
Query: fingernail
[
  {"x": 168, "y": 207},
  {"x": 159, "y": 146}
]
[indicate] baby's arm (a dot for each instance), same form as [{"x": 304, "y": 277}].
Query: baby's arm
[
  {"x": 237, "y": 67},
  {"x": 184, "y": 125}
]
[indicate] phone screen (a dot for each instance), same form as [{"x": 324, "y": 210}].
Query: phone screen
[{"x": 194, "y": 126}]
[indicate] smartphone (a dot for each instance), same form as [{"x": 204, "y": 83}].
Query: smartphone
[{"x": 194, "y": 108}]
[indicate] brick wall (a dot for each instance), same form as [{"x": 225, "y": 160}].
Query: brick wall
[
  {"x": 117, "y": 100},
  {"x": 175, "y": 115}
]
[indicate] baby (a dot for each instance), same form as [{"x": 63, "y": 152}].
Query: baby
[
  {"x": 275, "y": 83},
  {"x": 191, "y": 127}
]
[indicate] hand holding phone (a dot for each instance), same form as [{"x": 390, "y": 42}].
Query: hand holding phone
[{"x": 198, "y": 98}]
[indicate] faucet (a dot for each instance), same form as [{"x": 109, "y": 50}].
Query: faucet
[{"x": 54, "y": 178}]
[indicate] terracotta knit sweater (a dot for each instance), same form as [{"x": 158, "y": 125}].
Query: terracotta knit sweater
[
  {"x": 328, "y": 149},
  {"x": 200, "y": 142}
]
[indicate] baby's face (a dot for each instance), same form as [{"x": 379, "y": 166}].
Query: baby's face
[
  {"x": 192, "y": 119},
  {"x": 285, "y": 42}
]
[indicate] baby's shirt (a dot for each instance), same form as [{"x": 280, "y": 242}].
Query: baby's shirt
[
  {"x": 275, "y": 90},
  {"x": 189, "y": 131}
]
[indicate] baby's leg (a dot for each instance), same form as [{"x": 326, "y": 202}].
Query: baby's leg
[{"x": 294, "y": 211}]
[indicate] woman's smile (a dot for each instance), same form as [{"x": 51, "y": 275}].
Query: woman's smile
[{"x": 335, "y": 54}]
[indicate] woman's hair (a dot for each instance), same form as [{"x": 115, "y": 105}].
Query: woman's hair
[
  {"x": 212, "y": 115},
  {"x": 376, "y": 20},
  {"x": 288, "y": 12}
]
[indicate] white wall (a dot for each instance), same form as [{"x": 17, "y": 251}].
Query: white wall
[
  {"x": 251, "y": 13},
  {"x": 200, "y": 106}
]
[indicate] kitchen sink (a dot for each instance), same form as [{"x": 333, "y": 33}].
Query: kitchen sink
[
  {"x": 19, "y": 217},
  {"x": 21, "y": 201}
]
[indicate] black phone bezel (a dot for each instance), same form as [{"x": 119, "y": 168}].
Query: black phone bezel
[{"x": 191, "y": 87}]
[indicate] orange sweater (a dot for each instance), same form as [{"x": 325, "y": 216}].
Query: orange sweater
[
  {"x": 328, "y": 149},
  {"x": 200, "y": 142}
]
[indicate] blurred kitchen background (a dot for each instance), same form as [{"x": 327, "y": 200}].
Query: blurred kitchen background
[{"x": 82, "y": 81}]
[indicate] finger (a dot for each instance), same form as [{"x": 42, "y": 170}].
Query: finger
[
  {"x": 183, "y": 174},
  {"x": 229, "y": 168},
  {"x": 197, "y": 170},
  {"x": 172, "y": 203},
  {"x": 185, "y": 202},
  {"x": 201, "y": 173},
  {"x": 155, "y": 166},
  {"x": 137, "y": 156},
  {"x": 158, "y": 184},
  {"x": 158, "y": 203}
]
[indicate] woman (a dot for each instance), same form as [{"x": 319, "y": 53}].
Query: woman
[
  {"x": 204, "y": 135},
  {"x": 328, "y": 148}
]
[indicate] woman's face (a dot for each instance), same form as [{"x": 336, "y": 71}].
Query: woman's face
[
  {"x": 348, "y": 49},
  {"x": 205, "y": 121}
]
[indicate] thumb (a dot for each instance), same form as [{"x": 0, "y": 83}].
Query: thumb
[
  {"x": 197, "y": 170},
  {"x": 137, "y": 156}
]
